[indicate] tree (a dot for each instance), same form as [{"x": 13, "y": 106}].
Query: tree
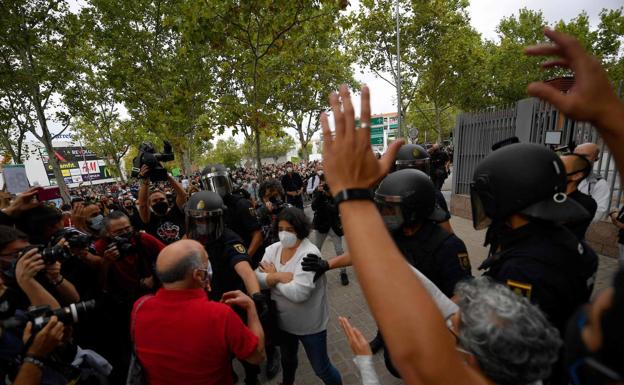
[
  {"x": 255, "y": 56},
  {"x": 270, "y": 146},
  {"x": 164, "y": 81},
  {"x": 12, "y": 136},
  {"x": 226, "y": 152},
  {"x": 36, "y": 42}
]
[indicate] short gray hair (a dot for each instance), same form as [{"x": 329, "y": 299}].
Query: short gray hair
[
  {"x": 511, "y": 338},
  {"x": 178, "y": 272}
]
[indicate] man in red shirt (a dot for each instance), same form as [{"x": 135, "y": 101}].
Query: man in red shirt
[{"x": 180, "y": 336}]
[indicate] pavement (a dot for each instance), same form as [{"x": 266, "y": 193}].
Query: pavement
[{"x": 349, "y": 302}]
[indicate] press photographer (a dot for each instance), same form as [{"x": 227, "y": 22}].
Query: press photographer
[
  {"x": 161, "y": 220},
  {"x": 126, "y": 273},
  {"x": 270, "y": 205}
]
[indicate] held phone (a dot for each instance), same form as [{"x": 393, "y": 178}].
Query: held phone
[{"x": 48, "y": 193}]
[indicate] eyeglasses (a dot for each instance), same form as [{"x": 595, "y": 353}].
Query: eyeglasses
[{"x": 127, "y": 229}]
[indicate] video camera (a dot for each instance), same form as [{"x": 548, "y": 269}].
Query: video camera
[
  {"x": 149, "y": 157},
  {"x": 40, "y": 315}
]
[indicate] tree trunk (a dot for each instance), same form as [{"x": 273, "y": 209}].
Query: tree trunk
[
  {"x": 438, "y": 122},
  {"x": 117, "y": 163},
  {"x": 258, "y": 158},
  {"x": 186, "y": 162},
  {"x": 302, "y": 141}
]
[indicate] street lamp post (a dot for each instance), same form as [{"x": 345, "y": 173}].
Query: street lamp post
[{"x": 399, "y": 104}]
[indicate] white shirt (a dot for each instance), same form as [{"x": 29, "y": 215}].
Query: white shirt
[
  {"x": 302, "y": 303},
  {"x": 313, "y": 184},
  {"x": 599, "y": 190}
]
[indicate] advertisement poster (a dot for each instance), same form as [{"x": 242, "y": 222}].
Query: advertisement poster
[{"x": 77, "y": 165}]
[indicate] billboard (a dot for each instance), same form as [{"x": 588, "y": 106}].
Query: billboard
[{"x": 77, "y": 165}]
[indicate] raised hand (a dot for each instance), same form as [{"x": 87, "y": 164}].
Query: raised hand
[
  {"x": 592, "y": 96},
  {"x": 357, "y": 341},
  {"x": 348, "y": 159}
]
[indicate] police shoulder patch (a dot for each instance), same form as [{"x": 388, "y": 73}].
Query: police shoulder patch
[
  {"x": 240, "y": 248},
  {"x": 464, "y": 261},
  {"x": 521, "y": 288}
]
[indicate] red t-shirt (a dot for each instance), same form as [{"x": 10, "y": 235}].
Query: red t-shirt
[
  {"x": 182, "y": 337},
  {"x": 125, "y": 273}
]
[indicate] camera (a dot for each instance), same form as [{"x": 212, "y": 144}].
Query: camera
[
  {"x": 74, "y": 237},
  {"x": 124, "y": 245},
  {"x": 50, "y": 254},
  {"x": 40, "y": 315},
  {"x": 149, "y": 157}
]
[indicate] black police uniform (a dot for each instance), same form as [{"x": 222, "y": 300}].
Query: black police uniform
[
  {"x": 438, "y": 254},
  {"x": 326, "y": 215},
  {"x": 547, "y": 264},
  {"x": 225, "y": 253},
  {"x": 241, "y": 218},
  {"x": 579, "y": 228}
]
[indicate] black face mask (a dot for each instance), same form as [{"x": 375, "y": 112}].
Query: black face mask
[
  {"x": 160, "y": 208},
  {"x": 584, "y": 367},
  {"x": 275, "y": 200}
]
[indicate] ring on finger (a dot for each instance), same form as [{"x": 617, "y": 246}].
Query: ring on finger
[{"x": 364, "y": 125}]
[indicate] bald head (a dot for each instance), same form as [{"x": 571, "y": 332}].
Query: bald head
[
  {"x": 176, "y": 262},
  {"x": 588, "y": 150},
  {"x": 577, "y": 168}
]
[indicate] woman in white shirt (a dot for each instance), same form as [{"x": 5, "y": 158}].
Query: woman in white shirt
[{"x": 301, "y": 302}]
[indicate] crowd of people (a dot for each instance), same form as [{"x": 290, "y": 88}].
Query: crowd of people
[{"x": 166, "y": 282}]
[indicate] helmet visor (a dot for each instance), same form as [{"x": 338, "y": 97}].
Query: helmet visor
[
  {"x": 480, "y": 219},
  {"x": 391, "y": 214},
  {"x": 218, "y": 182},
  {"x": 204, "y": 225},
  {"x": 417, "y": 164}
]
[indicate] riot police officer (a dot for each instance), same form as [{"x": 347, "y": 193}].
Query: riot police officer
[
  {"x": 406, "y": 200},
  {"x": 231, "y": 265},
  {"x": 518, "y": 192},
  {"x": 240, "y": 216},
  {"x": 416, "y": 157}
]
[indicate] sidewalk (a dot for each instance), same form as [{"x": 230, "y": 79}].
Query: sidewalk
[{"x": 348, "y": 301}]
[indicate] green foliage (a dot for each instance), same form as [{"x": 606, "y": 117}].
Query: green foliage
[
  {"x": 227, "y": 152},
  {"x": 270, "y": 146}
]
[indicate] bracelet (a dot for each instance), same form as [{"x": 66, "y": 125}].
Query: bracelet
[
  {"x": 58, "y": 281},
  {"x": 351, "y": 194},
  {"x": 34, "y": 361}
]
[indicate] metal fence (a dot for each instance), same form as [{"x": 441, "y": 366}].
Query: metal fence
[{"x": 532, "y": 121}]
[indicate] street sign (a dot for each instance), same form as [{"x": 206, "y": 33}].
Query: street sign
[{"x": 413, "y": 133}]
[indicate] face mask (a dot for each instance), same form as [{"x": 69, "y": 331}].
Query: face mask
[
  {"x": 583, "y": 366},
  {"x": 202, "y": 228},
  {"x": 160, "y": 208},
  {"x": 96, "y": 223},
  {"x": 287, "y": 239},
  {"x": 393, "y": 222},
  {"x": 289, "y": 169},
  {"x": 319, "y": 173}
]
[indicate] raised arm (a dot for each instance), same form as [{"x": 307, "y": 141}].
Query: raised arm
[
  {"x": 591, "y": 99},
  {"x": 411, "y": 323},
  {"x": 143, "y": 203}
]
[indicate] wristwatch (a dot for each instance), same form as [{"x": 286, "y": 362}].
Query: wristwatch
[{"x": 353, "y": 194}]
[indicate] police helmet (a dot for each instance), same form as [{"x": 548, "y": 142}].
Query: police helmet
[
  {"x": 215, "y": 178},
  {"x": 407, "y": 197},
  {"x": 204, "y": 216},
  {"x": 522, "y": 178},
  {"x": 413, "y": 156}
]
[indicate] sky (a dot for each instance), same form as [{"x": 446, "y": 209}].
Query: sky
[{"x": 484, "y": 17}]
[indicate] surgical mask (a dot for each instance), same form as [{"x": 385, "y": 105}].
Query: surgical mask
[
  {"x": 160, "y": 208},
  {"x": 287, "y": 239},
  {"x": 96, "y": 223},
  {"x": 289, "y": 169},
  {"x": 319, "y": 173}
]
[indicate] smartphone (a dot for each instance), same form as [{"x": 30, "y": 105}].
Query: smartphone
[{"x": 48, "y": 193}]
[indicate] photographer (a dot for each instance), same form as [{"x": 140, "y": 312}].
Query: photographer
[
  {"x": 327, "y": 222},
  {"x": 271, "y": 203},
  {"x": 160, "y": 220},
  {"x": 126, "y": 273}
]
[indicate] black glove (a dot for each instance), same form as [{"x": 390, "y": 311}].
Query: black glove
[
  {"x": 262, "y": 305},
  {"x": 313, "y": 262}
]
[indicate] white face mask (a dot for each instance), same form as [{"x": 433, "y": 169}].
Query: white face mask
[
  {"x": 289, "y": 169},
  {"x": 320, "y": 172},
  {"x": 287, "y": 239}
]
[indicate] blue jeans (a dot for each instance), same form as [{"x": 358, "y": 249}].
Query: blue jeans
[{"x": 315, "y": 346}]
